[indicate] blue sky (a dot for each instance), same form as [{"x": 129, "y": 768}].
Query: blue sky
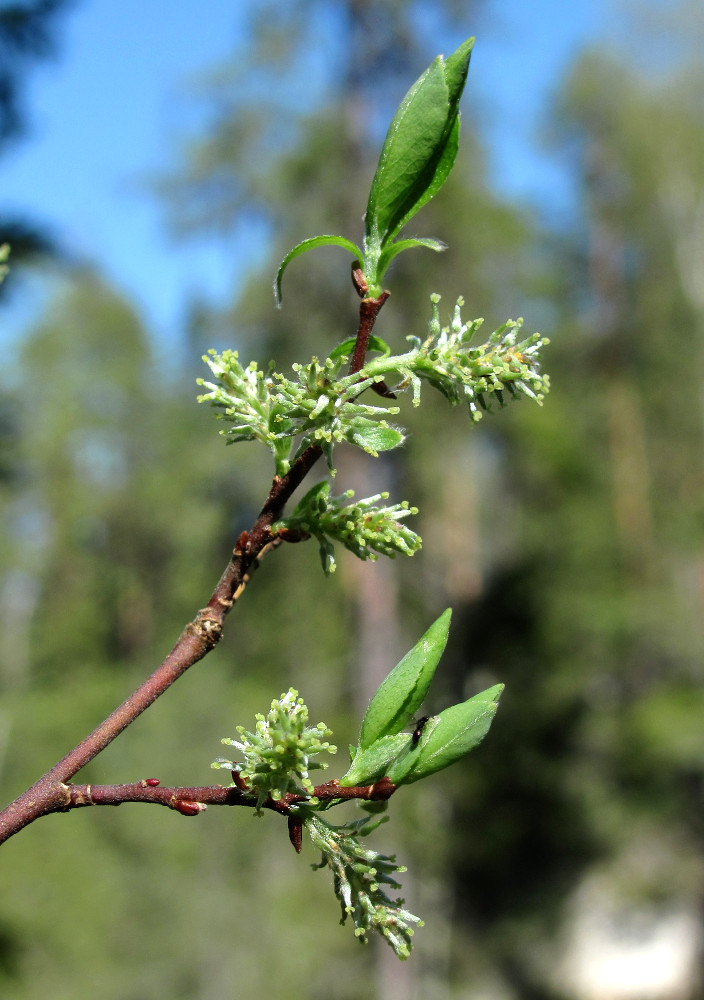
[{"x": 108, "y": 112}]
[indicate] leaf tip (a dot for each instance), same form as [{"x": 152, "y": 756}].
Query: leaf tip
[{"x": 277, "y": 292}]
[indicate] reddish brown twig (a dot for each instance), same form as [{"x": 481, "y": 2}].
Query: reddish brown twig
[
  {"x": 191, "y": 801},
  {"x": 368, "y": 312}
]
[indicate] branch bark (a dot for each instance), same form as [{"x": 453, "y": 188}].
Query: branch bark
[
  {"x": 149, "y": 790},
  {"x": 190, "y": 801}
]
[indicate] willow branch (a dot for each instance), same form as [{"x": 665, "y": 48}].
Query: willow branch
[
  {"x": 197, "y": 639},
  {"x": 201, "y": 635},
  {"x": 190, "y": 801}
]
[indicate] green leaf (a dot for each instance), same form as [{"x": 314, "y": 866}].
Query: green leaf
[
  {"x": 311, "y": 244},
  {"x": 373, "y": 762},
  {"x": 445, "y": 164},
  {"x": 375, "y": 344},
  {"x": 373, "y": 436},
  {"x": 406, "y": 761},
  {"x": 406, "y": 159},
  {"x": 393, "y": 249},
  {"x": 419, "y": 149},
  {"x": 401, "y": 693},
  {"x": 457, "y": 731},
  {"x": 456, "y": 69}
]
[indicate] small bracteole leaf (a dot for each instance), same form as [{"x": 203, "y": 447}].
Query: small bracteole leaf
[
  {"x": 393, "y": 249},
  {"x": 311, "y": 244},
  {"x": 347, "y": 346},
  {"x": 373, "y": 436}
]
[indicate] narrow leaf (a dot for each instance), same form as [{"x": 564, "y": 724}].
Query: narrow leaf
[
  {"x": 311, "y": 244},
  {"x": 393, "y": 249},
  {"x": 401, "y": 693}
]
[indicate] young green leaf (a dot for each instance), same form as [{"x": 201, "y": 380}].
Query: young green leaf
[
  {"x": 410, "y": 152},
  {"x": 373, "y": 762},
  {"x": 311, "y": 244},
  {"x": 373, "y": 436},
  {"x": 393, "y": 249},
  {"x": 401, "y": 693},
  {"x": 417, "y": 155},
  {"x": 407, "y": 760},
  {"x": 457, "y": 731},
  {"x": 375, "y": 343}
]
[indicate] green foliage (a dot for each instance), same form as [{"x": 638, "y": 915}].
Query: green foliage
[
  {"x": 572, "y": 567},
  {"x": 416, "y": 159},
  {"x": 402, "y": 693},
  {"x": 373, "y": 763},
  {"x": 447, "y": 737},
  {"x": 417, "y": 156},
  {"x": 384, "y": 750},
  {"x": 321, "y": 407}
]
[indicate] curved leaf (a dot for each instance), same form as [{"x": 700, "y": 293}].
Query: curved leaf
[
  {"x": 311, "y": 244},
  {"x": 456, "y": 69},
  {"x": 393, "y": 249}
]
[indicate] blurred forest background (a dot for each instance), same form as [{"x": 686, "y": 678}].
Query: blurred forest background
[{"x": 565, "y": 859}]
